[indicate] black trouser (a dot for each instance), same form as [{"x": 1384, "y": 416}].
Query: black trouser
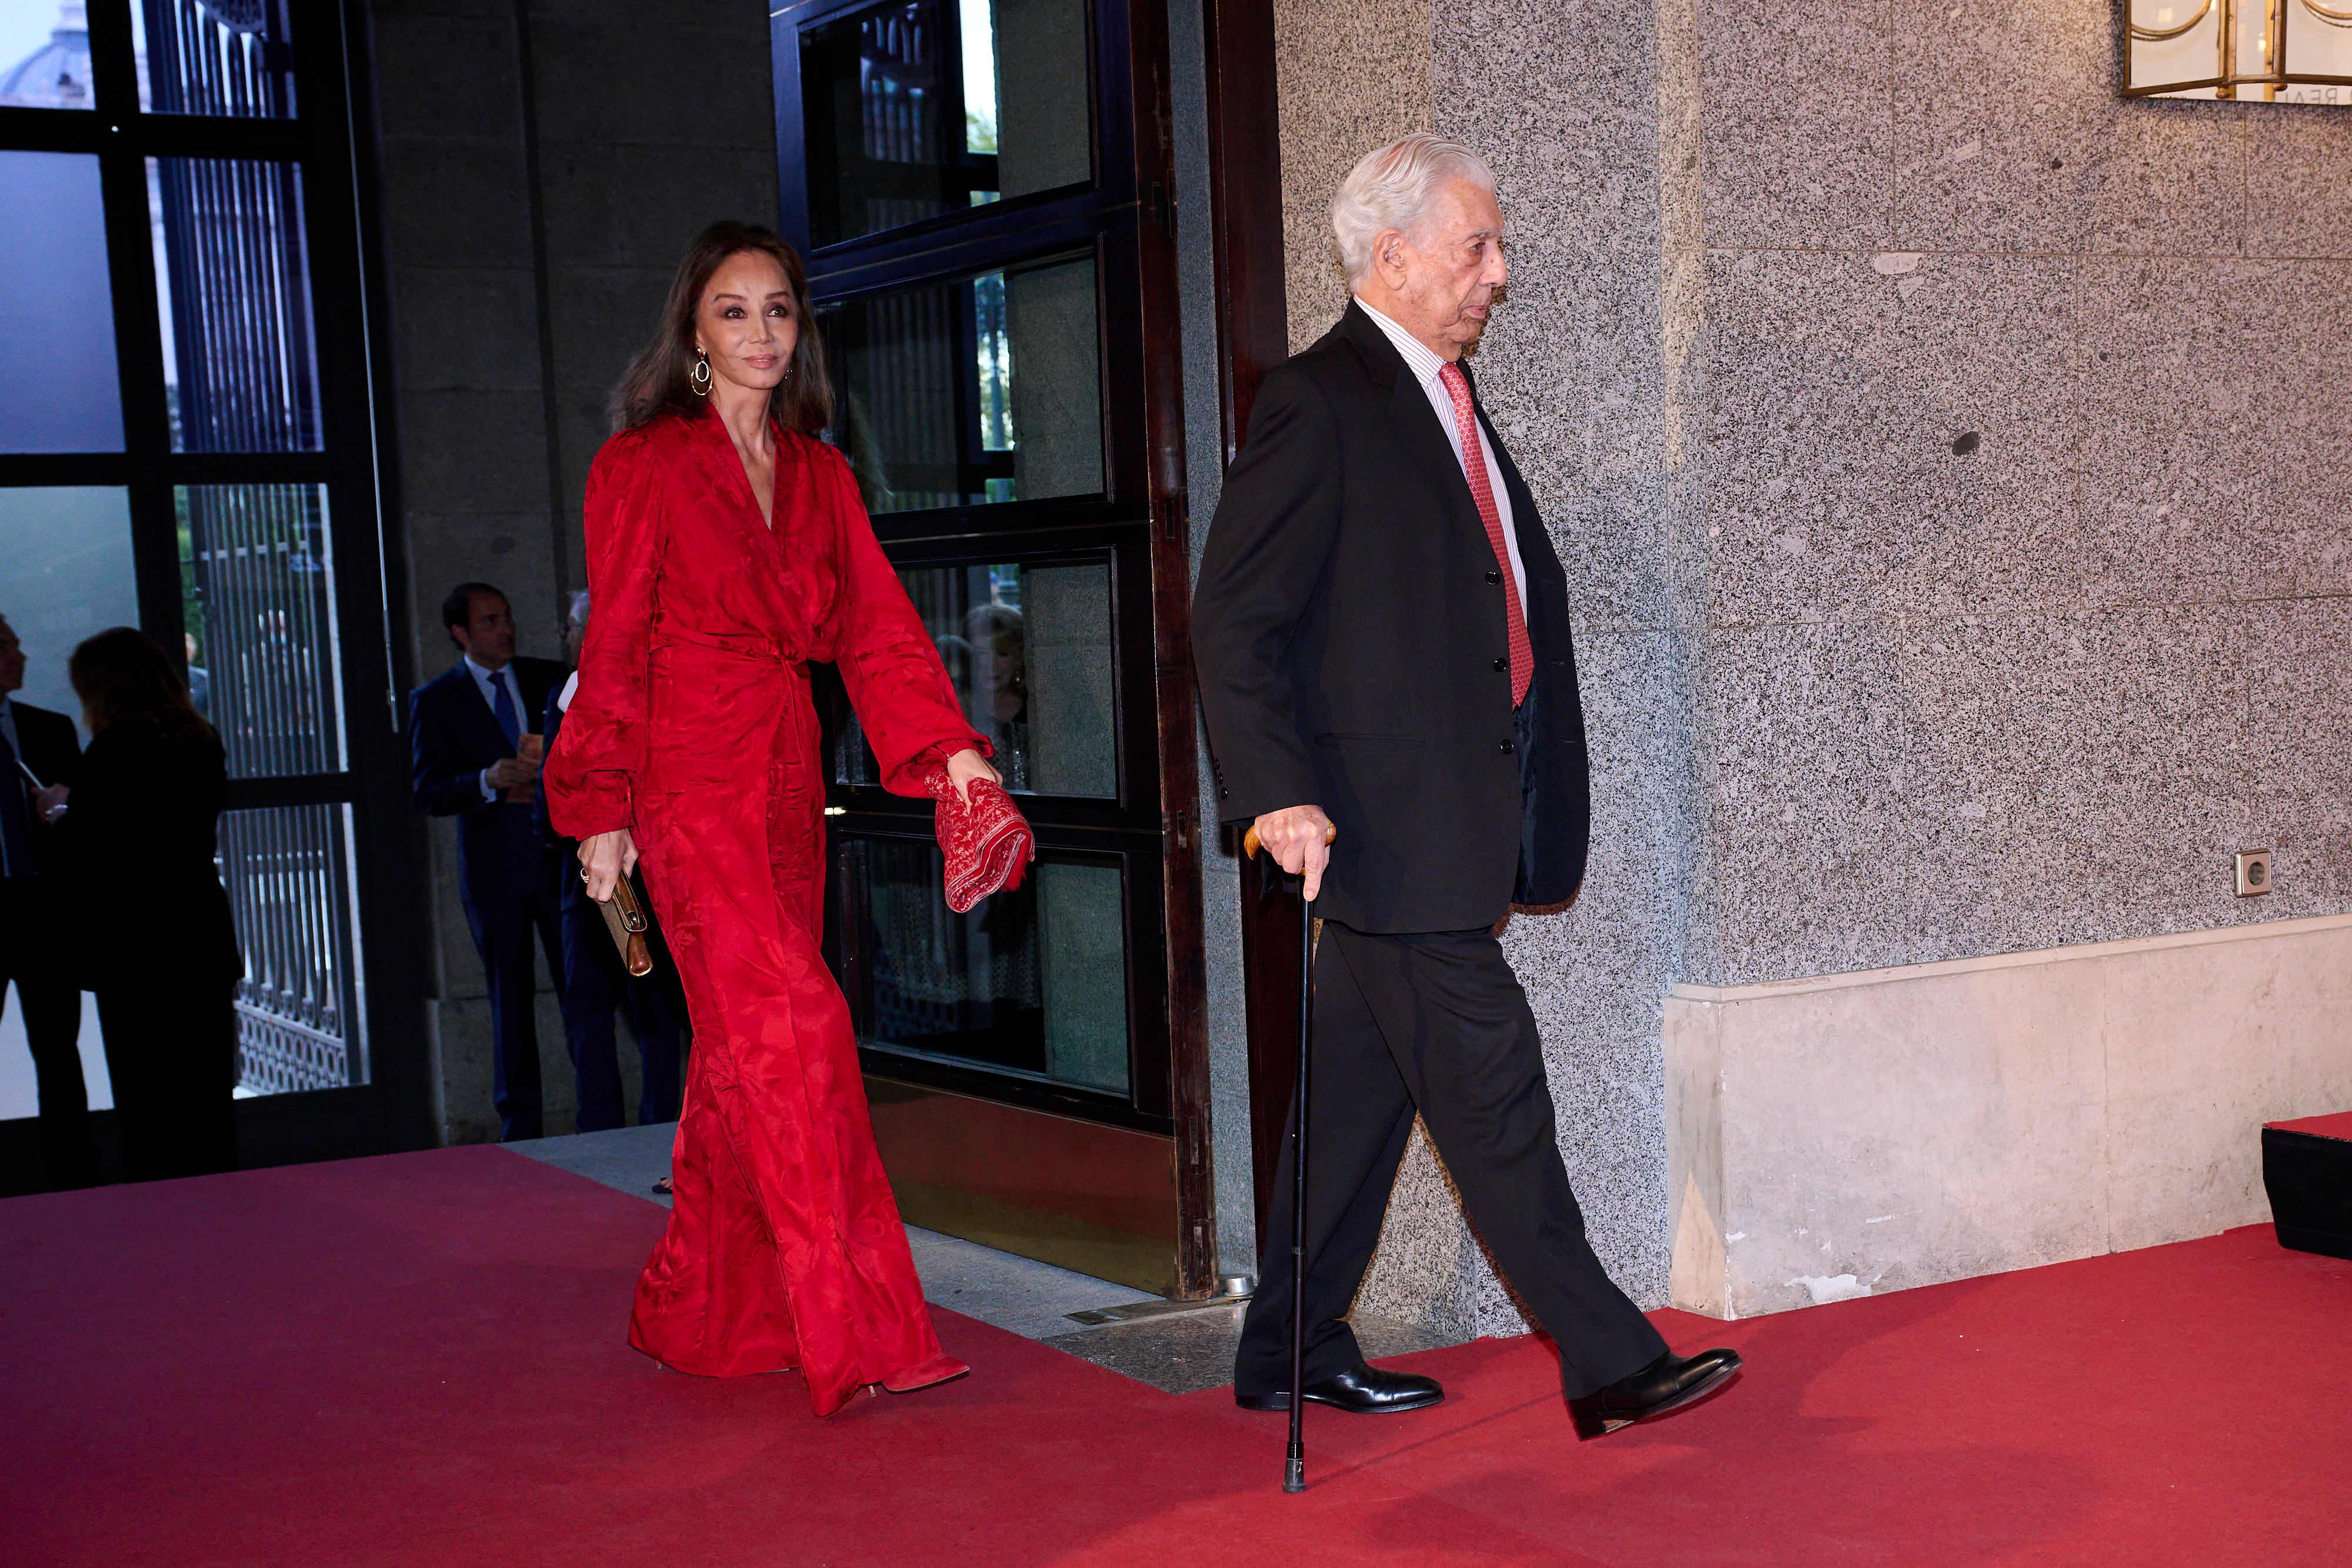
[
  {"x": 33, "y": 955},
  {"x": 1434, "y": 1023},
  {"x": 503, "y": 936},
  {"x": 596, "y": 983},
  {"x": 171, "y": 1050}
]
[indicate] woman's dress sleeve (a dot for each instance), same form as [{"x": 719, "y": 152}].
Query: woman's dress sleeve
[
  {"x": 600, "y": 753},
  {"x": 887, "y": 657}
]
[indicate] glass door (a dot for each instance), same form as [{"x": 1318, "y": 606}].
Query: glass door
[
  {"x": 978, "y": 187},
  {"x": 187, "y": 445}
]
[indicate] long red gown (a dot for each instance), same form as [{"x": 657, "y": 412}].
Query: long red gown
[{"x": 693, "y": 727}]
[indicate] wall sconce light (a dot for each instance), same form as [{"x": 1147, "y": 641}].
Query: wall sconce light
[{"x": 2259, "y": 51}]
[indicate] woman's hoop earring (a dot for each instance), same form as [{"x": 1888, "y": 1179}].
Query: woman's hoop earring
[{"x": 698, "y": 377}]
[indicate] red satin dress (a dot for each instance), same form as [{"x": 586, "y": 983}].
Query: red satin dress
[{"x": 692, "y": 727}]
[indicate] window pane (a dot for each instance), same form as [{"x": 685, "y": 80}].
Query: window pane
[
  {"x": 214, "y": 57},
  {"x": 985, "y": 389},
  {"x": 59, "y": 386},
  {"x": 260, "y": 619},
  {"x": 239, "y": 365},
  {"x": 65, "y": 573},
  {"x": 1032, "y": 982},
  {"x": 918, "y": 108},
  {"x": 44, "y": 55},
  {"x": 288, "y": 873},
  {"x": 1029, "y": 649}
]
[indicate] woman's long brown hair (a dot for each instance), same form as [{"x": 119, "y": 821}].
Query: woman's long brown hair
[
  {"x": 123, "y": 673},
  {"x": 656, "y": 382}
]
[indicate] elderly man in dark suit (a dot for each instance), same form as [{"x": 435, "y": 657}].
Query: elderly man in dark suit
[
  {"x": 40, "y": 756},
  {"x": 1381, "y": 633},
  {"x": 476, "y": 759}
]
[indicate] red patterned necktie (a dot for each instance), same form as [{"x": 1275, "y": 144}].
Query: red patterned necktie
[{"x": 1473, "y": 469}]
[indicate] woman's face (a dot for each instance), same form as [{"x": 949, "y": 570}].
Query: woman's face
[{"x": 748, "y": 321}]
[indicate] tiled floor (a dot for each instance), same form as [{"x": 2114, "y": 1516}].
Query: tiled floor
[{"x": 1178, "y": 1351}]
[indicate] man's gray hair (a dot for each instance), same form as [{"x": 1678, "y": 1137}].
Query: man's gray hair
[
  {"x": 580, "y": 608},
  {"x": 1391, "y": 188}
]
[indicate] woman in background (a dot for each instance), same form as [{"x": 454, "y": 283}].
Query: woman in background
[
  {"x": 727, "y": 550},
  {"x": 157, "y": 942}
]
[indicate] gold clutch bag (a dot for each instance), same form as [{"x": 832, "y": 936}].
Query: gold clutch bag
[{"x": 625, "y": 917}]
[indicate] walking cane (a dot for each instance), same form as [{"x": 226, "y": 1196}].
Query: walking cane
[{"x": 1293, "y": 1474}]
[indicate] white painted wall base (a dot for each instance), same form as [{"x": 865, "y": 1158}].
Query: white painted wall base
[{"x": 1867, "y": 1133}]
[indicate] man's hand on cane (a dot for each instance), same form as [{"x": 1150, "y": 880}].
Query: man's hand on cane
[{"x": 1300, "y": 840}]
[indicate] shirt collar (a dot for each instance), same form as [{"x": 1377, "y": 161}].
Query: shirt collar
[
  {"x": 481, "y": 676},
  {"x": 1425, "y": 363}
]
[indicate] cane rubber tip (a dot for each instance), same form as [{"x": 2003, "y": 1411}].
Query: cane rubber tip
[{"x": 1293, "y": 1478}]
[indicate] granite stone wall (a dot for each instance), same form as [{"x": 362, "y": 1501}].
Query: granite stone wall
[
  {"x": 532, "y": 219},
  {"x": 2017, "y": 534},
  {"x": 1349, "y": 75},
  {"x": 1937, "y": 449}
]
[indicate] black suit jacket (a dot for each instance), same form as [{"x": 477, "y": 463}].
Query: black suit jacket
[
  {"x": 1348, "y": 632},
  {"x": 51, "y": 747},
  {"x": 149, "y": 906},
  {"x": 452, "y": 736}
]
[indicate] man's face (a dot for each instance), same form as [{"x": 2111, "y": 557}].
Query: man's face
[
  {"x": 488, "y": 637},
  {"x": 1449, "y": 271},
  {"x": 12, "y": 659}
]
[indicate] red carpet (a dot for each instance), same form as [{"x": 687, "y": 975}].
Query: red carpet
[{"x": 419, "y": 1360}]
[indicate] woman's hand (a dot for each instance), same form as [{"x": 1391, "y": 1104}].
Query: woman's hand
[
  {"x": 605, "y": 858},
  {"x": 50, "y": 803},
  {"x": 966, "y": 765}
]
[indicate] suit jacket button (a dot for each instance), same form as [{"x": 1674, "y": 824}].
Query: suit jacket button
[
  {"x": 1501, "y": 666},
  {"x": 1494, "y": 577},
  {"x": 1509, "y": 749},
  {"x": 1223, "y": 792}
]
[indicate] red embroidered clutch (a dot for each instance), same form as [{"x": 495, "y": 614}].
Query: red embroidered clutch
[{"x": 987, "y": 845}]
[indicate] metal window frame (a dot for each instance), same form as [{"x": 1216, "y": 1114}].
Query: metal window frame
[{"x": 342, "y": 246}]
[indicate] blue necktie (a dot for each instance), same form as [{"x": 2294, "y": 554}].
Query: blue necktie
[
  {"x": 15, "y": 816},
  {"x": 503, "y": 705}
]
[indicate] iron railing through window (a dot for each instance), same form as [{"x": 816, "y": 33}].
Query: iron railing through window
[
  {"x": 218, "y": 56},
  {"x": 262, "y": 633},
  {"x": 288, "y": 870},
  {"x": 244, "y": 371}
]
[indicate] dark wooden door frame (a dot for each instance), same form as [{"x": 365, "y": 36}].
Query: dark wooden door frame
[
  {"x": 1253, "y": 337},
  {"x": 1245, "y": 198},
  {"x": 1172, "y": 635}
]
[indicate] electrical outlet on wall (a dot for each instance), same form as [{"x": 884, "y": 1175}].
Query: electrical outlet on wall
[{"x": 2253, "y": 873}]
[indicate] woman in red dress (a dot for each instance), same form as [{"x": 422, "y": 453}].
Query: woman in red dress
[{"x": 727, "y": 550}]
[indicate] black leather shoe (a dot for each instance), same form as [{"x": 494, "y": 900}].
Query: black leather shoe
[
  {"x": 1361, "y": 1390},
  {"x": 1669, "y": 1383}
]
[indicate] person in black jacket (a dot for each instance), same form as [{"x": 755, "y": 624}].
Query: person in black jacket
[
  {"x": 40, "y": 760},
  {"x": 477, "y": 761},
  {"x": 157, "y": 940},
  {"x": 1381, "y": 634},
  {"x": 596, "y": 982}
]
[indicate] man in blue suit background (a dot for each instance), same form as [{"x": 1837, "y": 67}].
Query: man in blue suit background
[
  {"x": 596, "y": 982},
  {"x": 466, "y": 734}
]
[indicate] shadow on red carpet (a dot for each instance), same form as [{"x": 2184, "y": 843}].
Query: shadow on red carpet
[{"x": 420, "y": 1359}]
